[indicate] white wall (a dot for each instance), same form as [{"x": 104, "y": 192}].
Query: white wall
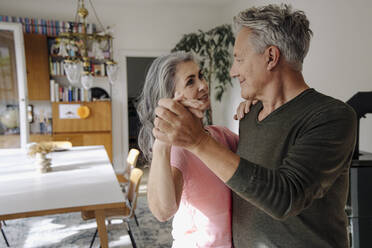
[
  {"x": 339, "y": 60},
  {"x": 147, "y": 28}
]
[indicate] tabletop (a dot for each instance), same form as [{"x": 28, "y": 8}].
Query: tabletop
[{"x": 80, "y": 176}]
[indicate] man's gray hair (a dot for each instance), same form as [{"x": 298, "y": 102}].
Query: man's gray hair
[
  {"x": 159, "y": 83},
  {"x": 280, "y": 26}
]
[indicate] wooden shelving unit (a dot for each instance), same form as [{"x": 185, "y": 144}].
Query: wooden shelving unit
[
  {"x": 36, "y": 52},
  {"x": 94, "y": 130}
]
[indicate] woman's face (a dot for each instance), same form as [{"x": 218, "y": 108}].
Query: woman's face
[{"x": 190, "y": 82}]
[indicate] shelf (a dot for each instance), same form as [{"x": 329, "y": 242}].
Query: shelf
[
  {"x": 78, "y": 57},
  {"x": 77, "y": 102},
  {"x": 64, "y": 76}
]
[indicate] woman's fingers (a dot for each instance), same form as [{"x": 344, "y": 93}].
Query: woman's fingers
[
  {"x": 196, "y": 107},
  {"x": 247, "y": 106},
  {"x": 197, "y": 112},
  {"x": 244, "y": 108},
  {"x": 191, "y": 103}
]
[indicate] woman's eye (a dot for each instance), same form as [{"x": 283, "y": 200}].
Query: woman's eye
[
  {"x": 201, "y": 75},
  {"x": 189, "y": 82}
]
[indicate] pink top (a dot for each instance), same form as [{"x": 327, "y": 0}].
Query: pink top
[{"x": 204, "y": 215}]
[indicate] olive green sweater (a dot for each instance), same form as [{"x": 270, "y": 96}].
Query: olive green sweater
[{"x": 292, "y": 181}]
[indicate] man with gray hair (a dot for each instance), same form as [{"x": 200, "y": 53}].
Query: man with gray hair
[{"x": 290, "y": 175}]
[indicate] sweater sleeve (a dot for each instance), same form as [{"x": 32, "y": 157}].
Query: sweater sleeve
[{"x": 321, "y": 152}]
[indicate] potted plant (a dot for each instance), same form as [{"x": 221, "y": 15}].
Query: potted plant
[{"x": 40, "y": 151}]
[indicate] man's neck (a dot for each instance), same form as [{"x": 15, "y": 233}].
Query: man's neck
[{"x": 282, "y": 89}]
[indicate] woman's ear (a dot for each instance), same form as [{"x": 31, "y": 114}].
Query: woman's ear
[{"x": 272, "y": 54}]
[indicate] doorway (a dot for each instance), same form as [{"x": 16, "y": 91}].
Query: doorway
[{"x": 137, "y": 68}]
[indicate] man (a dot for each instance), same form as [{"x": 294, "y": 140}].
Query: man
[{"x": 290, "y": 176}]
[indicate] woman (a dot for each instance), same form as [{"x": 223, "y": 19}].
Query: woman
[{"x": 179, "y": 184}]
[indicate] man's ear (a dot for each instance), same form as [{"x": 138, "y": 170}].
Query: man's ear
[{"x": 272, "y": 54}]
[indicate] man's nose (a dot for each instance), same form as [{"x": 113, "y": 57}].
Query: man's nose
[{"x": 233, "y": 72}]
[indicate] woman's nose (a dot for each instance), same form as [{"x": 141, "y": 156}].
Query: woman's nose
[{"x": 203, "y": 85}]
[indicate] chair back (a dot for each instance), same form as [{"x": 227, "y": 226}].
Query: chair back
[
  {"x": 62, "y": 144},
  {"x": 131, "y": 162},
  {"x": 132, "y": 157},
  {"x": 135, "y": 180}
]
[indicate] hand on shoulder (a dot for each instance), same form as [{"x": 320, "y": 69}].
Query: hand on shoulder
[{"x": 244, "y": 108}]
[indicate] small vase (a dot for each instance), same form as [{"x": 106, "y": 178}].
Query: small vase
[{"x": 42, "y": 163}]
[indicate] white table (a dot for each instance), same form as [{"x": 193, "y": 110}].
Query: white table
[{"x": 82, "y": 178}]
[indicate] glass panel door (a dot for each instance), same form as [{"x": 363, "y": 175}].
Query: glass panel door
[{"x": 13, "y": 121}]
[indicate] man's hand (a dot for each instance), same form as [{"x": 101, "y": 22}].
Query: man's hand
[
  {"x": 243, "y": 109},
  {"x": 174, "y": 124}
]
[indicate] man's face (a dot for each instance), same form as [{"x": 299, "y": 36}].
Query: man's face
[{"x": 248, "y": 67}]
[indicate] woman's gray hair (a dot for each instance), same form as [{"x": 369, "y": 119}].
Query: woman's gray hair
[
  {"x": 159, "y": 83},
  {"x": 280, "y": 26}
]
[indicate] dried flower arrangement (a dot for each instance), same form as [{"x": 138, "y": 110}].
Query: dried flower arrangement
[{"x": 42, "y": 147}]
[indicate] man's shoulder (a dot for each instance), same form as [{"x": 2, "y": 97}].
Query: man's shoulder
[{"x": 321, "y": 103}]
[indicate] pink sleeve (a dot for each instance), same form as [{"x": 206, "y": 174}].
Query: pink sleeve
[
  {"x": 232, "y": 139},
  {"x": 225, "y": 136},
  {"x": 178, "y": 158}
]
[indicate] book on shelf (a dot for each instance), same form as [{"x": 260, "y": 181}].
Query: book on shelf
[
  {"x": 59, "y": 93},
  {"x": 47, "y": 27},
  {"x": 56, "y": 68}
]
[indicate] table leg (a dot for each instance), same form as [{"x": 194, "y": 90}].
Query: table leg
[{"x": 102, "y": 232}]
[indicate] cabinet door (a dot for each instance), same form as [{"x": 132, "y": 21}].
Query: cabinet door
[
  {"x": 13, "y": 116},
  {"x": 88, "y": 139},
  {"x": 98, "y": 120},
  {"x": 75, "y": 139},
  {"x": 101, "y": 138},
  {"x": 40, "y": 137},
  {"x": 36, "y": 52}
]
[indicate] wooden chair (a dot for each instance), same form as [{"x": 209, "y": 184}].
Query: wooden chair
[
  {"x": 132, "y": 159},
  {"x": 3, "y": 233},
  {"x": 131, "y": 163},
  {"x": 62, "y": 144},
  {"x": 127, "y": 211}
]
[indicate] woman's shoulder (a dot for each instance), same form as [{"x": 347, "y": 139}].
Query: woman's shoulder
[{"x": 224, "y": 135}]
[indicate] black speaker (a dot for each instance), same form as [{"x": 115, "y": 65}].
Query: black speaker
[
  {"x": 360, "y": 203},
  {"x": 361, "y": 192}
]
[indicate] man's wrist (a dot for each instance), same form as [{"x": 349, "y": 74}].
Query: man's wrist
[{"x": 202, "y": 141}]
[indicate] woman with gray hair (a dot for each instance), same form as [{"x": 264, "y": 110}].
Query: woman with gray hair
[{"x": 179, "y": 184}]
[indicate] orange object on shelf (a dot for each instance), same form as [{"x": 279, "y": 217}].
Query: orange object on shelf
[{"x": 83, "y": 112}]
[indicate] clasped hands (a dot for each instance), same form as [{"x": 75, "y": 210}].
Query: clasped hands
[{"x": 178, "y": 120}]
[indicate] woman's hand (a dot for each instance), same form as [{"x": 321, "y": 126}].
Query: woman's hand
[
  {"x": 196, "y": 107},
  {"x": 244, "y": 108},
  {"x": 158, "y": 144}
]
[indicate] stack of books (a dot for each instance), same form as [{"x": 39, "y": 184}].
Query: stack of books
[
  {"x": 47, "y": 27},
  {"x": 59, "y": 93}
]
